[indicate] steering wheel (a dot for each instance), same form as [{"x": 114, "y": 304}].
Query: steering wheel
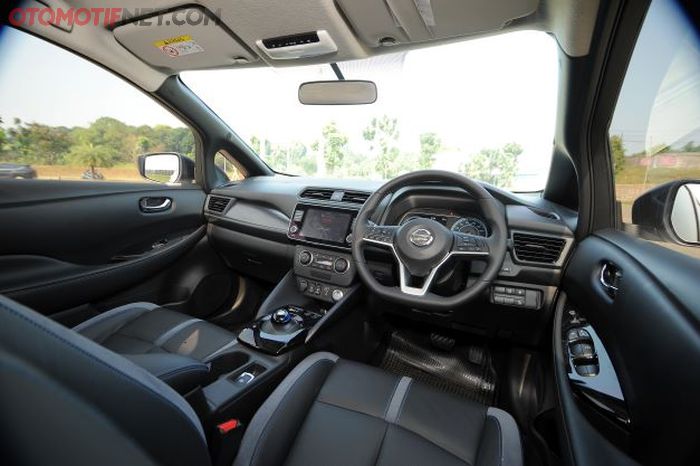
[{"x": 421, "y": 246}]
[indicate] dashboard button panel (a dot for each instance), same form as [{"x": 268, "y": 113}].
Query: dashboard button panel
[{"x": 516, "y": 297}]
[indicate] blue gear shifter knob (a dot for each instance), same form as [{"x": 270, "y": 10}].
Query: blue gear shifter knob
[{"x": 281, "y": 316}]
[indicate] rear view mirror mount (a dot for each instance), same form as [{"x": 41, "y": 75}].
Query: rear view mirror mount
[{"x": 341, "y": 92}]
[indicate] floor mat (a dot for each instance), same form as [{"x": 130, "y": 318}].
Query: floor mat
[{"x": 465, "y": 371}]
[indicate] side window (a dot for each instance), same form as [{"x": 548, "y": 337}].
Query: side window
[
  {"x": 226, "y": 163},
  {"x": 655, "y": 133},
  {"x": 64, "y": 118}
]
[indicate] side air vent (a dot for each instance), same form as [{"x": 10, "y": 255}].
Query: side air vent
[
  {"x": 535, "y": 248},
  {"x": 218, "y": 204},
  {"x": 355, "y": 197},
  {"x": 318, "y": 194}
]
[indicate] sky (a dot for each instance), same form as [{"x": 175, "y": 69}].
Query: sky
[
  {"x": 476, "y": 94},
  {"x": 659, "y": 102}
]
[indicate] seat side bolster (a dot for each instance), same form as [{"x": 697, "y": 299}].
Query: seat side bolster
[
  {"x": 500, "y": 443},
  {"x": 284, "y": 411},
  {"x": 103, "y": 325}
]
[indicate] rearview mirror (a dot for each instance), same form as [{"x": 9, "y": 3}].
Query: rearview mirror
[
  {"x": 167, "y": 167},
  {"x": 344, "y": 92},
  {"x": 670, "y": 212}
]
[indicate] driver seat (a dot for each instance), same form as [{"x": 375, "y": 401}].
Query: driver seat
[
  {"x": 335, "y": 411},
  {"x": 67, "y": 400}
]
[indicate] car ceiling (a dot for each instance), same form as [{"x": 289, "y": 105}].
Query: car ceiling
[{"x": 356, "y": 26}]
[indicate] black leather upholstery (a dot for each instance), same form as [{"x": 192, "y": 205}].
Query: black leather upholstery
[
  {"x": 66, "y": 400},
  {"x": 332, "y": 411},
  {"x": 173, "y": 346}
]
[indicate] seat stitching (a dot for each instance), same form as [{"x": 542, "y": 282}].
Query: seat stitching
[
  {"x": 121, "y": 374},
  {"x": 401, "y": 427},
  {"x": 263, "y": 433}
]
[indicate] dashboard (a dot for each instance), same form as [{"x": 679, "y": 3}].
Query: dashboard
[{"x": 262, "y": 225}]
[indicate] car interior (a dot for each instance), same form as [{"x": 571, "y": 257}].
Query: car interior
[{"x": 414, "y": 316}]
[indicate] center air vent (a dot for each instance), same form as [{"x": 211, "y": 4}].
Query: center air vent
[
  {"x": 536, "y": 248},
  {"x": 337, "y": 195},
  {"x": 218, "y": 204},
  {"x": 355, "y": 197},
  {"x": 318, "y": 194}
]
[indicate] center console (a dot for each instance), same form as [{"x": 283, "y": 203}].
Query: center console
[{"x": 318, "y": 287}]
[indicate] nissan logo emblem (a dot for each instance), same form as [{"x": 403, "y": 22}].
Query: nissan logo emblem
[{"x": 421, "y": 237}]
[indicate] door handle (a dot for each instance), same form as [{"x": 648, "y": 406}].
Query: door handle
[
  {"x": 610, "y": 278},
  {"x": 151, "y": 205}
]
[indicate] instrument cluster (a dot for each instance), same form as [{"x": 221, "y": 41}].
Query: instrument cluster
[{"x": 461, "y": 222}]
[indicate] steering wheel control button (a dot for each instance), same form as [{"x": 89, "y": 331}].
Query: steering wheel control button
[
  {"x": 380, "y": 234},
  {"x": 468, "y": 243}
]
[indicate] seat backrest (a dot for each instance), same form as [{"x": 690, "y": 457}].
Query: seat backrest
[{"x": 66, "y": 400}]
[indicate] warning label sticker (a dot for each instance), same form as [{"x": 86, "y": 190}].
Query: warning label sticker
[{"x": 179, "y": 46}]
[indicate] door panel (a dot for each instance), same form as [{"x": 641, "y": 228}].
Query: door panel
[
  {"x": 68, "y": 243},
  {"x": 650, "y": 329}
]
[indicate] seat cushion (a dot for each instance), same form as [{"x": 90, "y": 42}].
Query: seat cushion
[
  {"x": 66, "y": 400},
  {"x": 334, "y": 411},
  {"x": 173, "y": 346}
]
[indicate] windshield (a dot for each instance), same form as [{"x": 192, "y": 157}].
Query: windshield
[{"x": 485, "y": 108}]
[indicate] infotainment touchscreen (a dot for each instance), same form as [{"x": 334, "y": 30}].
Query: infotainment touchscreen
[{"x": 326, "y": 225}]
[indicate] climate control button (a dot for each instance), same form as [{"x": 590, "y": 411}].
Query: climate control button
[
  {"x": 305, "y": 257},
  {"x": 341, "y": 265}
]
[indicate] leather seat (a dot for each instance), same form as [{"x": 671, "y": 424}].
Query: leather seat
[
  {"x": 333, "y": 411},
  {"x": 67, "y": 400},
  {"x": 174, "y": 347}
]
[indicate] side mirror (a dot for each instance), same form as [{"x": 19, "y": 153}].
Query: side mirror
[
  {"x": 670, "y": 212},
  {"x": 167, "y": 167}
]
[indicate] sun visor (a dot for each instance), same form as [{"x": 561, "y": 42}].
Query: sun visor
[
  {"x": 184, "y": 39},
  {"x": 388, "y": 22}
]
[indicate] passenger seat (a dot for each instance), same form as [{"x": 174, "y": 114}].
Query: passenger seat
[{"x": 174, "y": 347}]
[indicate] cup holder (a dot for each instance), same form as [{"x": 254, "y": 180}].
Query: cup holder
[{"x": 227, "y": 363}]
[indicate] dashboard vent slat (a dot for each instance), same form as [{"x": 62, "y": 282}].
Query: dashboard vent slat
[
  {"x": 318, "y": 194},
  {"x": 218, "y": 204},
  {"x": 536, "y": 248},
  {"x": 355, "y": 197}
]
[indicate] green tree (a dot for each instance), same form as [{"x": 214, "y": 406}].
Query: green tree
[
  {"x": 617, "y": 149},
  {"x": 382, "y": 134},
  {"x": 430, "y": 145},
  {"x": 40, "y": 144},
  {"x": 99, "y": 145},
  {"x": 93, "y": 156},
  {"x": 495, "y": 166},
  {"x": 334, "y": 147}
]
